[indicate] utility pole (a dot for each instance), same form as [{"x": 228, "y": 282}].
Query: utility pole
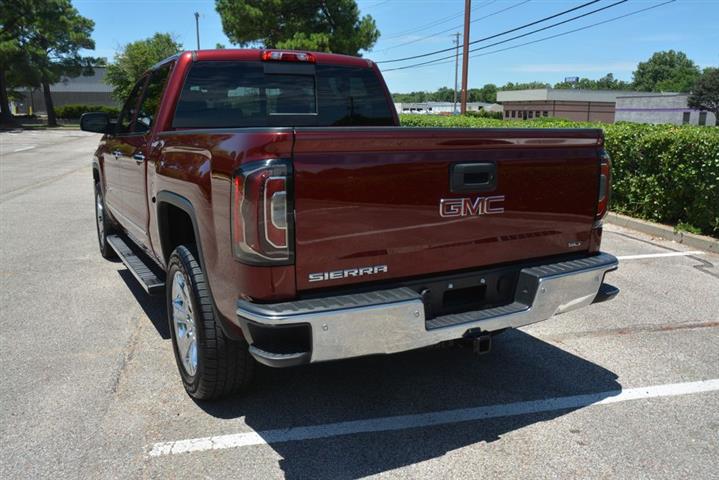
[
  {"x": 465, "y": 54},
  {"x": 197, "y": 28},
  {"x": 456, "y": 69}
]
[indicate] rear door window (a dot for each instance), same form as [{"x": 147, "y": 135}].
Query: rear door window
[{"x": 248, "y": 94}]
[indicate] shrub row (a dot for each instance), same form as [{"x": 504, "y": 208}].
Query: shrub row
[
  {"x": 485, "y": 114},
  {"x": 662, "y": 173},
  {"x": 76, "y": 111}
]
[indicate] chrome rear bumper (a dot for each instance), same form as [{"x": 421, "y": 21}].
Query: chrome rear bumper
[{"x": 389, "y": 321}]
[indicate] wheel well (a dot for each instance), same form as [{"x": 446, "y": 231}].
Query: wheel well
[
  {"x": 96, "y": 175},
  {"x": 176, "y": 228}
]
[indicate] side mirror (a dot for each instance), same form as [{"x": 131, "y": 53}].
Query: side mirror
[{"x": 97, "y": 122}]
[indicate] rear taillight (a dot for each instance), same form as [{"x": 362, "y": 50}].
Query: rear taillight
[
  {"x": 278, "y": 56},
  {"x": 605, "y": 165},
  {"x": 261, "y": 214}
]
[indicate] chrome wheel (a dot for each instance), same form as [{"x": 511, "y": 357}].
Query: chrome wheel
[
  {"x": 100, "y": 217},
  {"x": 183, "y": 321}
]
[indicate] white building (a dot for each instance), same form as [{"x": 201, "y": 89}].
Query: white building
[
  {"x": 441, "y": 108},
  {"x": 661, "y": 108}
]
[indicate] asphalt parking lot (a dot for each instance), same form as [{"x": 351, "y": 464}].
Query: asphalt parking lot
[{"x": 625, "y": 389}]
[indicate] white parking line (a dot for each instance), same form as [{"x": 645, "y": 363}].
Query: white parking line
[
  {"x": 384, "y": 424},
  {"x": 23, "y": 149},
  {"x": 658, "y": 255}
]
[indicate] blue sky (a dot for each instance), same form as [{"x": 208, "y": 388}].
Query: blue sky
[{"x": 412, "y": 27}]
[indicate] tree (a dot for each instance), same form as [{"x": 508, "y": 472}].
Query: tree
[
  {"x": 11, "y": 58},
  {"x": 705, "y": 94},
  {"x": 607, "y": 82},
  {"x": 20, "y": 74},
  {"x": 320, "y": 25},
  {"x": 488, "y": 93},
  {"x": 444, "y": 94},
  {"x": 14, "y": 61},
  {"x": 524, "y": 86},
  {"x": 49, "y": 35},
  {"x": 668, "y": 71},
  {"x": 135, "y": 58}
]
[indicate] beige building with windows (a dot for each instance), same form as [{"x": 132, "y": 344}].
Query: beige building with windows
[{"x": 570, "y": 104}]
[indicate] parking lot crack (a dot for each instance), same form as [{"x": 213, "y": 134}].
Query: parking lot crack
[{"x": 665, "y": 327}]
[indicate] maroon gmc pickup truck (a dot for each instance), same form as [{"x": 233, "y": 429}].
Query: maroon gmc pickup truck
[{"x": 274, "y": 199}]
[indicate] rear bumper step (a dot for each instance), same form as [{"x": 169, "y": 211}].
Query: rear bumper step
[
  {"x": 606, "y": 292},
  {"x": 389, "y": 321}
]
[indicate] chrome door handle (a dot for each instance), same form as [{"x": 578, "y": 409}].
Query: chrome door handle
[
  {"x": 138, "y": 157},
  {"x": 117, "y": 153}
]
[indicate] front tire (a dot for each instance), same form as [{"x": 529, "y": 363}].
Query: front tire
[{"x": 211, "y": 364}]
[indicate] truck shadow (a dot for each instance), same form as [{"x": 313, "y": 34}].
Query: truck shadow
[
  {"x": 152, "y": 305},
  {"x": 520, "y": 368}
]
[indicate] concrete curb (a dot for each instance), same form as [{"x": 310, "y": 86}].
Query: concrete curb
[{"x": 700, "y": 242}]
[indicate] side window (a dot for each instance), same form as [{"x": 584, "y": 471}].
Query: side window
[
  {"x": 128, "y": 111},
  {"x": 151, "y": 99}
]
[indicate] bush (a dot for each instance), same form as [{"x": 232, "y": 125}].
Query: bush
[
  {"x": 75, "y": 111},
  {"x": 485, "y": 114},
  {"x": 663, "y": 173}
]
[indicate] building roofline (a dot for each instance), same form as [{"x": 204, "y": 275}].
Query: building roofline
[
  {"x": 656, "y": 95},
  {"x": 567, "y": 95}
]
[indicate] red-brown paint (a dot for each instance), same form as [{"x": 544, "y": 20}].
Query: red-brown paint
[{"x": 370, "y": 195}]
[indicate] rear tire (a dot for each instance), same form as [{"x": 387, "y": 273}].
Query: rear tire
[
  {"x": 104, "y": 227},
  {"x": 211, "y": 364}
]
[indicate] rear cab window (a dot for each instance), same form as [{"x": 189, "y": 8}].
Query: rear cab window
[{"x": 229, "y": 94}]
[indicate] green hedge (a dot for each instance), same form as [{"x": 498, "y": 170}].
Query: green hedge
[
  {"x": 663, "y": 173},
  {"x": 485, "y": 114},
  {"x": 76, "y": 111}
]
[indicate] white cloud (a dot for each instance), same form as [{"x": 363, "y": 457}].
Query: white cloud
[{"x": 575, "y": 67}]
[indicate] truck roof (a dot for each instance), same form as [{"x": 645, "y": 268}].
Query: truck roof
[{"x": 255, "y": 54}]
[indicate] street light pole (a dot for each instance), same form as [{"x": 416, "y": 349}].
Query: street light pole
[
  {"x": 197, "y": 28},
  {"x": 465, "y": 54},
  {"x": 456, "y": 69}
]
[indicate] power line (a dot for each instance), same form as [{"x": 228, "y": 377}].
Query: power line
[
  {"x": 455, "y": 27},
  {"x": 380, "y": 3},
  {"x": 543, "y": 39},
  {"x": 428, "y": 25},
  {"x": 495, "y": 35},
  {"x": 437, "y": 22},
  {"x": 525, "y": 34}
]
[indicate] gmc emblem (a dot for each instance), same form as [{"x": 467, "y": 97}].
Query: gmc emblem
[{"x": 465, "y": 207}]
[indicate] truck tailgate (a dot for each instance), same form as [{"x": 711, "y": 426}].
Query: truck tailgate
[{"x": 371, "y": 198}]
